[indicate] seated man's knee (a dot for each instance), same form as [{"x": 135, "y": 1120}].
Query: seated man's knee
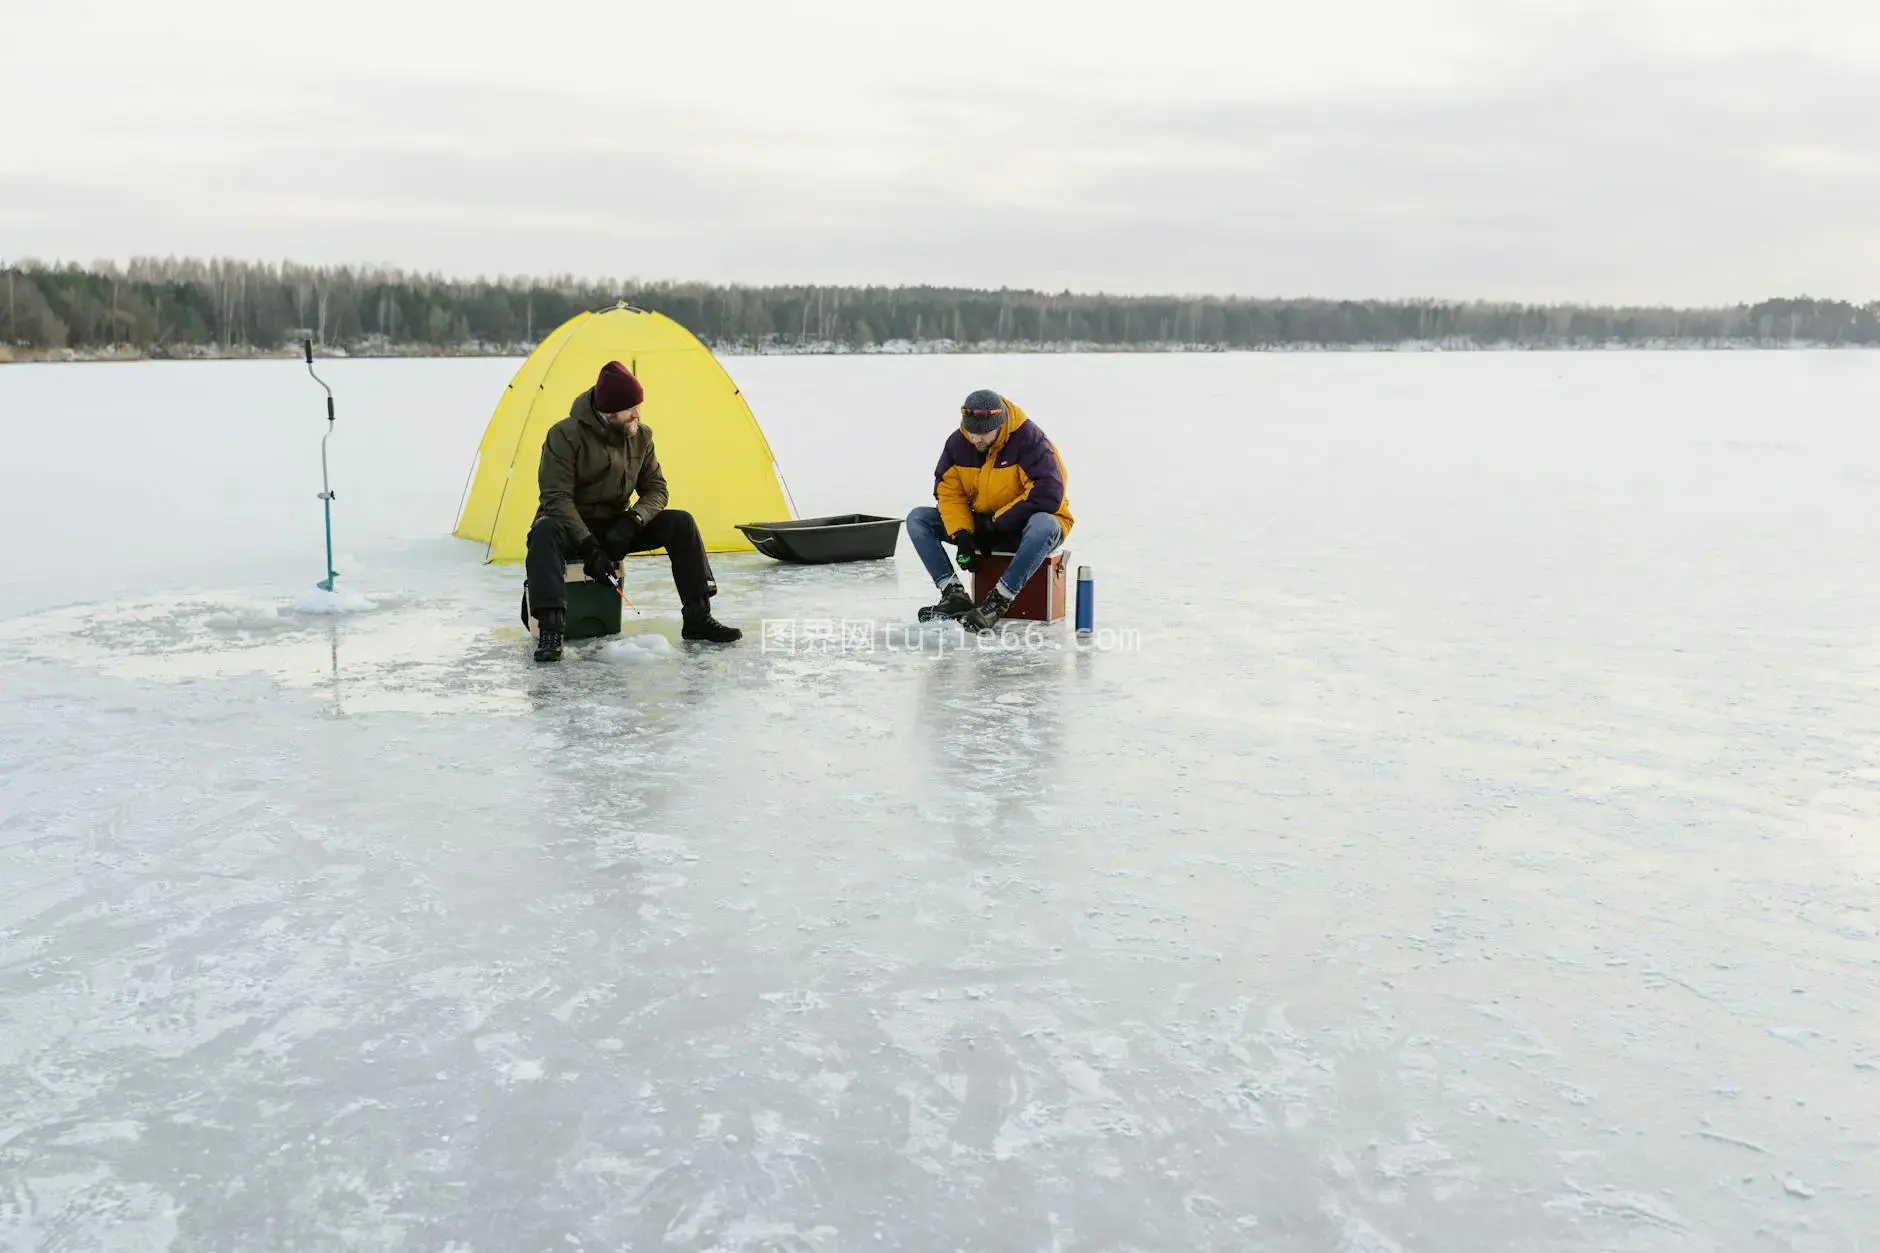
[
  {"x": 923, "y": 516},
  {"x": 678, "y": 519},
  {"x": 1046, "y": 524},
  {"x": 544, "y": 531}
]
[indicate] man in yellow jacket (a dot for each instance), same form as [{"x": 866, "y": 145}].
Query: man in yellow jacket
[{"x": 999, "y": 486}]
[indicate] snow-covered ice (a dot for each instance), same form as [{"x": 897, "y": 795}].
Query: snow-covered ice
[
  {"x": 1463, "y": 839},
  {"x": 634, "y": 647},
  {"x": 319, "y": 600}
]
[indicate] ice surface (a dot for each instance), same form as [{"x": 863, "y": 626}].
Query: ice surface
[
  {"x": 633, "y": 648},
  {"x": 1469, "y": 846},
  {"x": 339, "y": 600}
]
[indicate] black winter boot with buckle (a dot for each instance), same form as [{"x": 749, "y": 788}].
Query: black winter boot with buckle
[
  {"x": 548, "y": 634},
  {"x": 988, "y": 611},
  {"x": 954, "y": 603}
]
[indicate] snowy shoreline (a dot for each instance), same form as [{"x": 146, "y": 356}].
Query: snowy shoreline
[{"x": 906, "y": 348}]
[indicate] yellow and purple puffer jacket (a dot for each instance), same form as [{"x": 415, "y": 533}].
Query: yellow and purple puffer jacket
[{"x": 1019, "y": 475}]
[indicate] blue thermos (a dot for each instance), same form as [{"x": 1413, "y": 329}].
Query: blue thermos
[{"x": 1085, "y": 594}]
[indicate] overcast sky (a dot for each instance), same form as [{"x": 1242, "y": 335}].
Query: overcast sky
[{"x": 1643, "y": 150}]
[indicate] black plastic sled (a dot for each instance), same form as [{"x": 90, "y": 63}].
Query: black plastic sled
[{"x": 821, "y": 541}]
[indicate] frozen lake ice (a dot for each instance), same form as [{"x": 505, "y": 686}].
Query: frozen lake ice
[{"x": 1471, "y": 847}]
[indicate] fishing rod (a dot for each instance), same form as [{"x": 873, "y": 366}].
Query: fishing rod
[
  {"x": 620, "y": 590},
  {"x": 326, "y": 487}
]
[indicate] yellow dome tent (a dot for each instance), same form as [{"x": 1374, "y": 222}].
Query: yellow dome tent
[{"x": 717, "y": 463}]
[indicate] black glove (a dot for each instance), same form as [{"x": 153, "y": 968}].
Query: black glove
[
  {"x": 594, "y": 560},
  {"x": 963, "y": 540},
  {"x": 984, "y": 536}
]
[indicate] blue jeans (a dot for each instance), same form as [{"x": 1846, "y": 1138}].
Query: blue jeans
[{"x": 1041, "y": 536}]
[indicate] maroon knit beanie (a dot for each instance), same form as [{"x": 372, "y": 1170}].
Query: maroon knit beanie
[{"x": 616, "y": 390}]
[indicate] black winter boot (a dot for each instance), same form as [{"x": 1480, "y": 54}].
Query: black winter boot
[
  {"x": 548, "y": 634},
  {"x": 988, "y": 611},
  {"x": 709, "y": 629},
  {"x": 954, "y": 603}
]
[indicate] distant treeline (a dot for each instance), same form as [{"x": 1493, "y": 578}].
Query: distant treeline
[{"x": 176, "y": 307}]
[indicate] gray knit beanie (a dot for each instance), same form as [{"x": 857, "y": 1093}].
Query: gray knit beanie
[{"x": 983, "y": 413}]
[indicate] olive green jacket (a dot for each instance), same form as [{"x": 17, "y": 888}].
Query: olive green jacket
[{"x": 592, "y": 473}]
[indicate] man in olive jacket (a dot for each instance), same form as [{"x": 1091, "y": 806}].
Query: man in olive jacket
[{"x": 603, "y": 496}]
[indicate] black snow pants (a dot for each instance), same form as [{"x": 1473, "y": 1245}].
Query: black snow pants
[{"x": 551, "y": 548}]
